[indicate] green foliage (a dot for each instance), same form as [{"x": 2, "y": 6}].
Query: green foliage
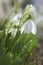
[{"x": 16, "y": 50}]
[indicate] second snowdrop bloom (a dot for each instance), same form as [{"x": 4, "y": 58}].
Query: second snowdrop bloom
[
  {"x": 29, "y": 27},
  {"x": 16, "y": 18}
]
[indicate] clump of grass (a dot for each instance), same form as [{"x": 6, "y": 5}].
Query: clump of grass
[{"x": 16, "y": 47}]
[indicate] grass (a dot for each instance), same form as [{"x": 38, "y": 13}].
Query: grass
[{"x": 16, "y": 49}]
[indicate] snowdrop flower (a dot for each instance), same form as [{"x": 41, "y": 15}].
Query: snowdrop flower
[
  {"x": 16, "y": 17},
  {"x": 12, "y": 30},
  {"x": 28, "y": 27}
]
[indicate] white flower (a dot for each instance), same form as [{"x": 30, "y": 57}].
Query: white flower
[
  {"x": 12, "y": 30},
  {"x": 16, "y": 18},
  {"x": 28, "y": 27}
]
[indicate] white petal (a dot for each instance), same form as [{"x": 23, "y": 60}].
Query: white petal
[
  {"x": 28, "y": 27},
  {"x": 12, "y": 30},
  {"x": 34, "y": 30},
  {"x": 17, "y": 17}
]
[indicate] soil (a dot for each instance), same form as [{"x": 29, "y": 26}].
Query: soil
[{"x": 38, "y": 54}]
